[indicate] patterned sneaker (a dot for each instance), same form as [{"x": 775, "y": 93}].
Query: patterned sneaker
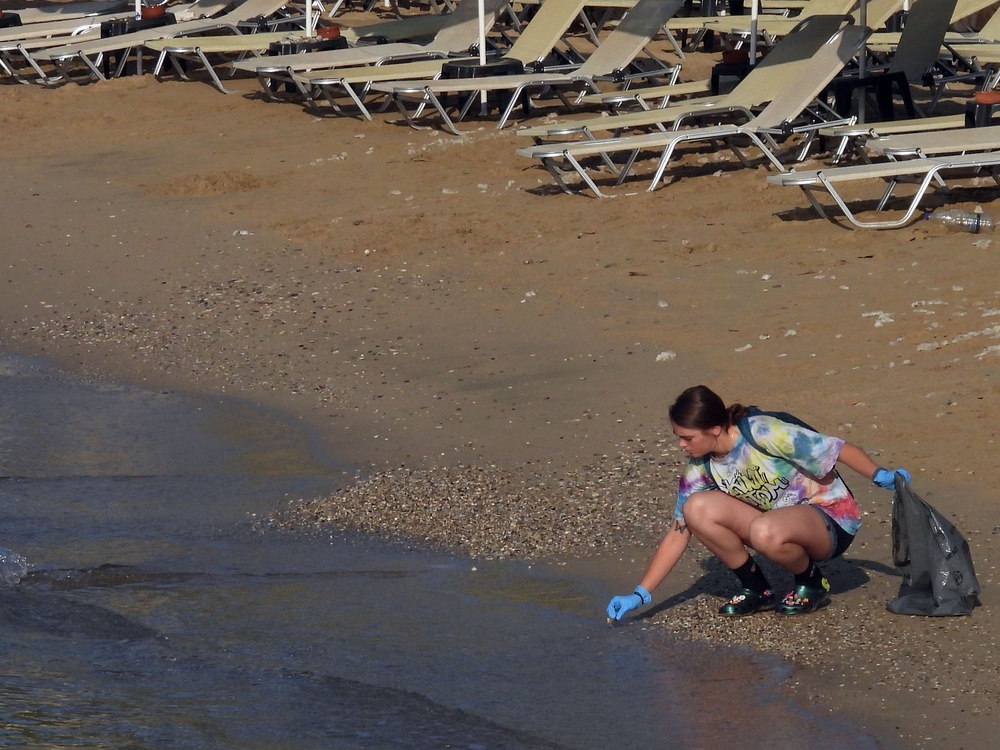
[
  {"x": 802, "y": 600},
  {"x": 748, "y": 601}
]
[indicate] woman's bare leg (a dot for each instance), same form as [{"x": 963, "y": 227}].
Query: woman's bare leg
[
  {"x": 722, "y": 523},
  {"x": 792, "y": 537}
]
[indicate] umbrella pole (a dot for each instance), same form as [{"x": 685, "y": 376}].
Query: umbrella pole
[
  {"x": 754, "y": 13},
  {"x": 483, "y": 108},
  {"x": 862, "y": 62}
]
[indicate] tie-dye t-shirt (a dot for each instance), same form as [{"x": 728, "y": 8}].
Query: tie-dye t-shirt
[{"x": 767, "y": 482}]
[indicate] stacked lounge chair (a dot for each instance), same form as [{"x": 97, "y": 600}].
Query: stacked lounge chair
[
  {"x": 20, "y": 45},
  {"x": 610, "y": 61},
  {"x": 776, "y": 119},
  {"x": 250, "y": 15},
  {"x": 456, "y": 33},
  {"x": 535, "y": 43}
]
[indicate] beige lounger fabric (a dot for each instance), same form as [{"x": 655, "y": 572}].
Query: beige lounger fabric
[
  {"x": 536, "y": 41},
  {"x": 772, "y": 74},
  {"x": 89, "y": 53},
  {"x": 616, "y": 53},
  {"x": 786, "y": 105},
  {"x": 457, "y": 32}
]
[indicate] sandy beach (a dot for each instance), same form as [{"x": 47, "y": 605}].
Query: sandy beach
[{"x": 491, "y": 360}]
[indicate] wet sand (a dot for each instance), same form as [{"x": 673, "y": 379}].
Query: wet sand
[{"x": 501, "y": 356}]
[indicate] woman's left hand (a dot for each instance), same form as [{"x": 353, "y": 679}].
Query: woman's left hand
[{"x": 887, "y": 479}]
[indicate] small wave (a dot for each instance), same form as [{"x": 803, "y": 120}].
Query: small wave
[{"x": 13, "y": 567}]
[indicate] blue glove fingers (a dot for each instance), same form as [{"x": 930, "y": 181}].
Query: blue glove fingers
[
  {"x": 622, "y": 605},
  {"x": 887, "y": 479}
]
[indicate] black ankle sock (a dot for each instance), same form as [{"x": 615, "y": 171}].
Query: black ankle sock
[
  {"x": 751, "y": 576},
  {"x": 811, "y": 576}
]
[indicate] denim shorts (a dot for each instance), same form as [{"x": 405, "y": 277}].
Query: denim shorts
[{"x": 840, "y": 540}]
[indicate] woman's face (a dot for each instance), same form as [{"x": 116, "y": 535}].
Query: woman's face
[{"x": 696, "y": 443}]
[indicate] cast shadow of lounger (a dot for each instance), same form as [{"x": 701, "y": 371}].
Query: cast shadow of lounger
[{"x": 845, "y": 574}]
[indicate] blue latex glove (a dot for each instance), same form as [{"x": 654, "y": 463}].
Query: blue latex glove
[
  {"x": 622, "y": 605},
  {"x": 887, "y": 479}
]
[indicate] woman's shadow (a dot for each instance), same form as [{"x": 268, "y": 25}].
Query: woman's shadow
[{"x": 844, "y": 574}]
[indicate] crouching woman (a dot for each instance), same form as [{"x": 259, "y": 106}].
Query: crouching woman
[{"x": 758, "y": 483}]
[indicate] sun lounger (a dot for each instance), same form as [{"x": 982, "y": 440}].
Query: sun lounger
[
  {"x": 535, "y": 43},
  {"x": 15, "y": 55},
  {"x": 776, "y": 119},
  {"x": 915, "y": 55},
  {"x": 772, "y": 27},
  {"x": 610, "y": 61},
  {"x": 954, "y": 59},
  {"x": 657, "y": 97},
  {"x": 255, "y": 13},
  {"x": 18, "y": 52},
  {"x": 646, "y": 97},
  {"x": 772, "y": 74},
  {"x": 603, "y": 11},
  {"x": 769, "y": 25},
  {"x": 925, "y": 157},
  {"x": 855, "y": 135},
  {"x": 17, "y": 45},
  {"x": 67, "y": 11},
  {"x": 457, "y": 36},
  {"x": 400, "y": 29},
  {"x": 936, "y": 143},
  {"x": 58, "y": 28},
  {"x": 182, "y": 51},
  {"x": 886, "y": 41},
  {"x": 926, "y": 172}
]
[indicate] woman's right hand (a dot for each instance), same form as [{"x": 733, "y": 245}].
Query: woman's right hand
[{"x": 622, "y": 605}]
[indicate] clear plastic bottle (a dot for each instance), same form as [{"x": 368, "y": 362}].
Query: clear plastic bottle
[{"x": 975, "y": 222}]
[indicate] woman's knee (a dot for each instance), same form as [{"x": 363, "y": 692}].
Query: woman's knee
[
  {"x": 772, "y": 532},
  {"x": 765, "y": 534},
  {"x": 698, "y": 509}
]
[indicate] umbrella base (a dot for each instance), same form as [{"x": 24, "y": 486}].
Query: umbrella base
[
  {"x": 728, "y": 70},
  {"x": 474, "y": 69},
  {"x": 981, "y": 115}
]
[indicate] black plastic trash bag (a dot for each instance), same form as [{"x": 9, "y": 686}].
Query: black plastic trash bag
[{"x": 933, "y": 556}]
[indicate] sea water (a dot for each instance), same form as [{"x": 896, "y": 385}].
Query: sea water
[{"x": 143, "y": 606}]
